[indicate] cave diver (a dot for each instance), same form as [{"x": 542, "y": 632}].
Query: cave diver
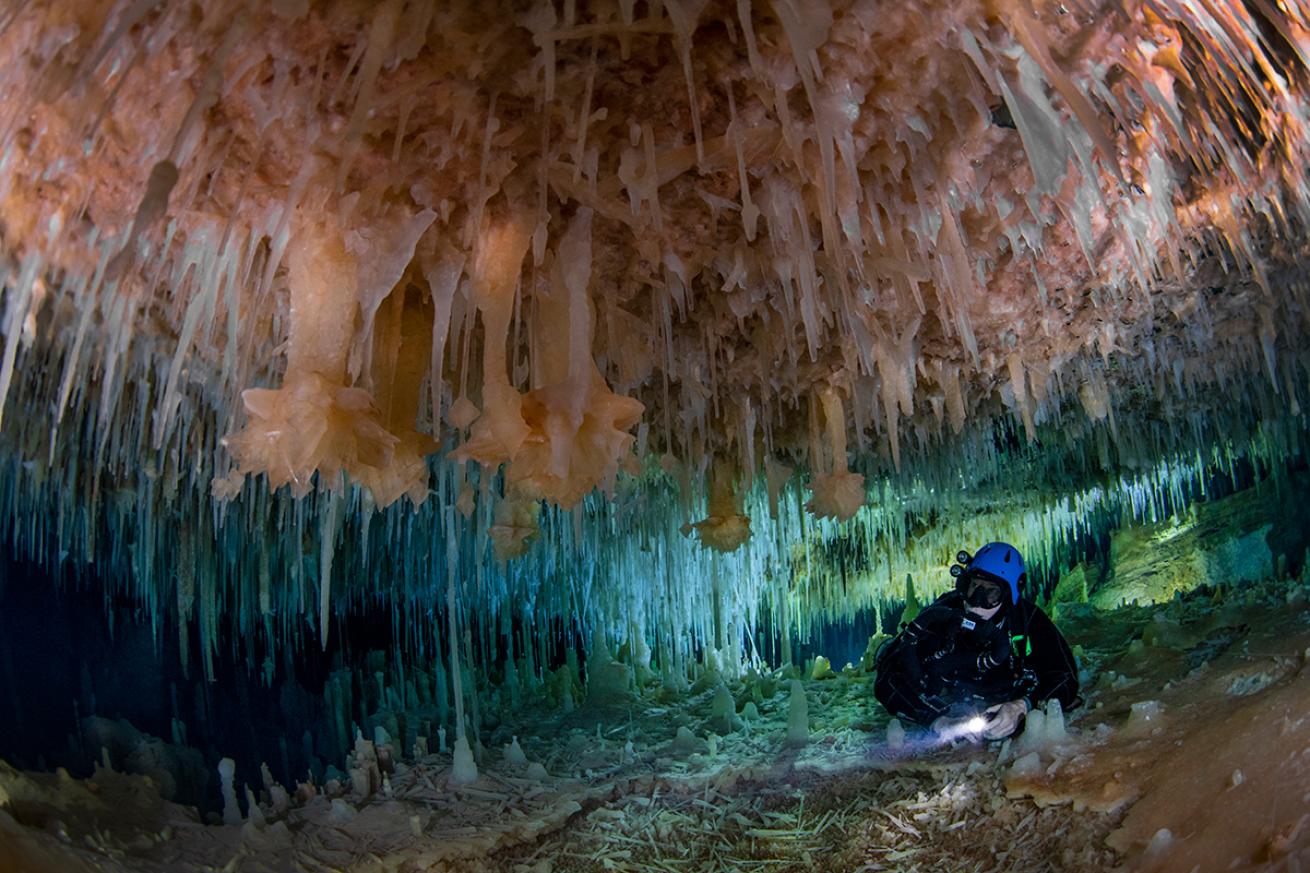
[{"x": 979, "y": 657}]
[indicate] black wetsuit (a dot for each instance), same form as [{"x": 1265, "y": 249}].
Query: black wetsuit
[{"x": 950, "y": 662}]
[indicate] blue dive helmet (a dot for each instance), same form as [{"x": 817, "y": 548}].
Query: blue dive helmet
[{"x": 1000, "y": 561}]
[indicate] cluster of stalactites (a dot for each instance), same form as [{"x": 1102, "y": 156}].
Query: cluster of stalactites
[
  {"x": 558, "y": 430},
  {"x": 618, "y": 572},
  {"x": 802, "y": 245},
  {"x": 557, "y": 442}
]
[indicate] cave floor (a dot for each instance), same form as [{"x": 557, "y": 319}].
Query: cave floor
[
  {"x": 1191, "y": 752},
  {"x": 943, "y": 816}
]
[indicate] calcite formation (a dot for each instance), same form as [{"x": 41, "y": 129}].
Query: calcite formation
[
  {"x": 869, "y": 256},
  {"x": 726, "y": 528},
  {"x": 951, "y": 207}
]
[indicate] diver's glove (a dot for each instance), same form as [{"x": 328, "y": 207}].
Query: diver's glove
[{"x": 1003, "y": 719}]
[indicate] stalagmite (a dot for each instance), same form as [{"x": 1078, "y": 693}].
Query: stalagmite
[
  {"x": 463, "y": 769},
  {"x": 227, "y": 775},
  {"x": 798, "y": 714},
  {"x": 895, "y": 734},
  {"x": 723, "y": 710},
  {"x": 278, "y": 798},
  {"x": 607, "y": 680},
  {"x": 912, "y": 605}
]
